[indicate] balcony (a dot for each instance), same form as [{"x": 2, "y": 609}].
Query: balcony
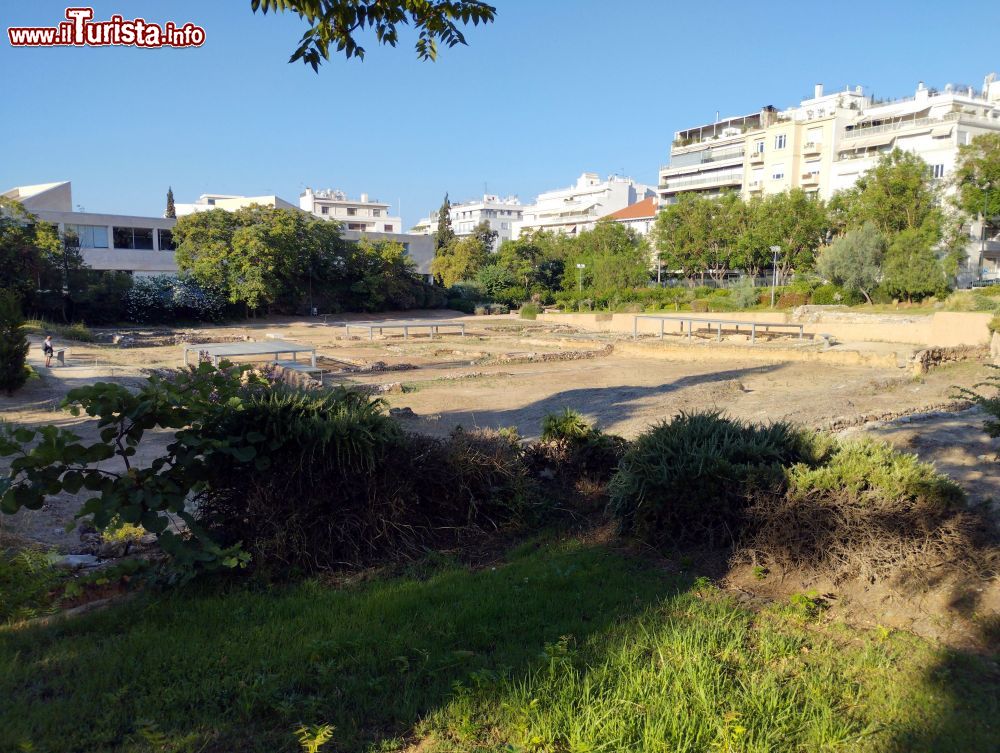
[
  {"x": 719, "y": 179},
  {"x": 755, "y": 186},
  {"x": 812, "y": 147},
  {"x": 756, "y": 158},
  {"x": 810, "y": 179}
]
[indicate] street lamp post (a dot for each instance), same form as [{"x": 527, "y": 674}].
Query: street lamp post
[
  {"x": 775, "y": 250},
  {"x": 579, "y": 274}
]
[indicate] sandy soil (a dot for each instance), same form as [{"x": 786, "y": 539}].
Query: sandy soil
[{"x": 511, "y": 373}]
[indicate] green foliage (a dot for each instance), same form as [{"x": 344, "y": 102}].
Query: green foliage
[
  {"x": 313, "y": 737},
  {"x": 854, "y": 260},
  {"x": 77, "y": 331},
  {"x": 578, "y": 448},
  {"x": 334, "y": 23},
  {"x": 529, "y": 311},
  {"x": 690, "y": 478},
  {"x": 460, "y": 260},
  {"x": 445, "y": 235},
  {"x": 570, "y": 646},
  {"x": 912, "y": 267},
  {"x": 30, "y": 251},
  {"x": 744, "y": 295},
  {"x": 167, "y": 299},
  {"x": 171, "y": 210},
  {"x": 50, "y": 460},
  {"x": 977, "y": 175},
  {"x": 13, "y": 343},
  {"x": 565, "y": 427},
  {"x": 26, "y": 579}
]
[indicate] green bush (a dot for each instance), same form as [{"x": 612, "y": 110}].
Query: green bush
[
  {"x": 26, "y": 579},
  {"x": 744, "y": 295},
  {"x": 76, "y": 331},
  {"x": 529, "y": 311},
  {"x": 699, "y": 306},
  {"x": 792, "y": 299},
  {"x": 691, "y": 478},
  {"x": 827, "y": 295},
  {"x": 13, "y": 344},
  {"x": 578, "y": 448}
]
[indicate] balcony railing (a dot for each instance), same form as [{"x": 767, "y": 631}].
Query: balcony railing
[
  {"x": 756, "y": 156},
  {"x": 810, "y": 178},
  {"x": 718, "y": 179},
  {"x": 812, "y": 147}
]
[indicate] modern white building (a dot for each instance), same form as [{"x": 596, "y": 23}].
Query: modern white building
[
  {"x": 365, "y": 215},
  {"x": 577, "y": 208},
  {"x": 229, "y": 202},
  {"x": 109, "y": 242},
  {"x": 500, "y": 213}
]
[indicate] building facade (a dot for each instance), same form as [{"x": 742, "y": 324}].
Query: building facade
[
  {"x": 108, "y": 242},
  {"x": 827, "y": 142},
  {"x": 363, "y": 215},
  {"x": 500, "y": 213},
  {"x": 208, "y": 201},
  {"x": 577, "y": 208},
  {"x": 640, "y": 216}
]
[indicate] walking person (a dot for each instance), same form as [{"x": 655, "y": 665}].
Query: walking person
[{"x": 48, "y": 351}]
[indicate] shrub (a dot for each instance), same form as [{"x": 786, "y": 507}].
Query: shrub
[
  {"x": 827, "y": 295},
  {"x": 530, "y": 311},
  {"x": 164, "y": 299},
  {"x": 13, "y": 344},
  {"x": 499, "y": 308},
  {"x": 481, "y": 310},
  {"x": 566, "y": 427},
  {"x": 691, "y": 478},
  {"x": 77, "y": 331},
  {"x": 744, "y": 295},
  {"x": 700, "y": 306},
  {"x": 865, "y": 511},
  {"x": 792, "y": 298}
]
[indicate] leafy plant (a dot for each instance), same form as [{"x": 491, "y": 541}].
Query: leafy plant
[
  {"x": 692, "y": 477},
  {"x": 13, "y": 344},
  {"x": 313, "y": 737}
]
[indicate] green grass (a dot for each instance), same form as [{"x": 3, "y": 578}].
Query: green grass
[
  {"x": 27, "y": 580},
  {"x": 564, "y": 648}
]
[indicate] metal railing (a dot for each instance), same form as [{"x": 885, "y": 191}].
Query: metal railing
[{"x": 717, "y": 179}]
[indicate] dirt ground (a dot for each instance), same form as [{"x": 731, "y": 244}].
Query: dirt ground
[{"x": 507, "y": 372}]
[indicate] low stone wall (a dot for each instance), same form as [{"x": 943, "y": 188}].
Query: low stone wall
[
  {"x": 941, "y": 329},
  {"x": 709, "y": 352}
]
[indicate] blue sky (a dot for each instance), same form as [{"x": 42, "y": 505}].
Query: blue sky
[{"x": 553, "y": 88}]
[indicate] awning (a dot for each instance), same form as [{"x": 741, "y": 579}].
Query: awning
[
  {"x": 866, "y": 143},
  {"x": 940, "y": 132}
]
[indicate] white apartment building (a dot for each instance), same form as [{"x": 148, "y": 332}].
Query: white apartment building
[
  {"x": 364, "y": 215},
  {"x": 640, "y": 216},
  {"x": 500, "y": 213},
  {"x": 577, "y": 208},
  {"x": 229, "y": 202},
  {"x": 109, "y": 242},
  {"x": 827, "y": 142}
]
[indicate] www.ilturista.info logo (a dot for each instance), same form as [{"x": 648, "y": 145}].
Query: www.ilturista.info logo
[{"x": 79, "y": 30}]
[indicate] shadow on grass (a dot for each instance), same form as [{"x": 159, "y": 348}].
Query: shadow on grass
[{"x": 238, "y": 670}]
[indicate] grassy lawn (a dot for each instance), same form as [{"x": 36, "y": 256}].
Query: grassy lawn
[{"x": 565, "y": 647}]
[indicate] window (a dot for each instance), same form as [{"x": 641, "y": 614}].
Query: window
[
  {"x": 758, "y": 146},
  {"x": 166, "y": 239},
  {"x": 780, "y": 140},
  {"x": 355, "y": 226},
  {"x": 325, "y": 210},
  {"x": 89, "y": 236},
  {"x": 134, "y": 237},
  {"x": 778, "y": 173},
  {"x": 937, "y": 171},
  {"x": 376, "y": 213},
  {"x": 812, "y": 167},
  {"x": 211, "y": 202},
  {"x": 352, "y": 211},
  {"x": 388, "y": 228}
]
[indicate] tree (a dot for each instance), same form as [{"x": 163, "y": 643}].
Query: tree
[
  {"x": 29, "y": 249},
  {"x": 13, "y": 343},
  {"x": 614, "y": 257},
  {"x": 444, "y": 235},
  {"x": 460, "y": 261},
  {"x": 854, "y": 260},
  {"x": 486, "y": 234},
  {"x": 977, "y": 178},
  {"x": 334, "y": 23},
  {"x": 897, "y": 194},
  {"x": 912, "y": 268},
  {"x": 171, "y": 211},
  {"x": 791, "y": 220},
  {"x": 260, "y": 256}
]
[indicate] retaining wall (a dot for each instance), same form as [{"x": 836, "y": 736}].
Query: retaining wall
[{"x": 940, "y": 330}]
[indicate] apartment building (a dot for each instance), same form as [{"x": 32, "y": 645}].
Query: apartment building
[
  {"x": 500, "y": 213},
  {"x": 577, "y": 208},
  {"x": 640, "y": 216},
  {"x": 109, "y": 242},
  {"x": 365, "y": 215},
  {"x": 230, "y": 202},
  {"x": 827, "y": 142},
  {"x": 709, "y": 159}
]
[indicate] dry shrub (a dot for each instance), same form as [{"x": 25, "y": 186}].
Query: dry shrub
[
  {"x": 347, "y": 487},
  {"x": 865, "y": 511}
]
